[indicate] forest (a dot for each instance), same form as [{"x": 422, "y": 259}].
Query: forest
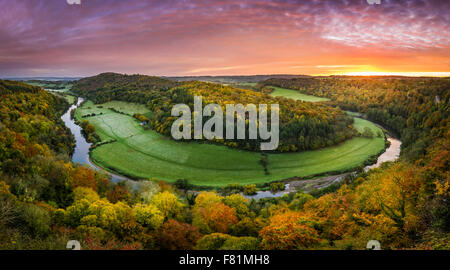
[
  {"x": 415, "y": 109},
  {"x": 46, "y": 200},
  {"x": 303, "y": 125}
]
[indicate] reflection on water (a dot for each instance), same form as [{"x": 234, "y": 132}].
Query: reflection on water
[
  {"x": 81, "y": 154},
  {"x": 268, "y": 194}
]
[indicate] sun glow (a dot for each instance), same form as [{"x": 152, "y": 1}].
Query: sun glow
[{"x": 385, "y": 73}]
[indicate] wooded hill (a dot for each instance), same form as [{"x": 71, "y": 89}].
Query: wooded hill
[
  {"x": 416, "y": 109},
  {"x": 303, "y": 125},
  {"x": 45, "y": 200}
]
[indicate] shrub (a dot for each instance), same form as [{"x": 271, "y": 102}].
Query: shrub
[
  {"x": 278, "y": 186},
  {"x": 212, "y": 241},
  {"x": 231, "y": 189},
  {"x": 250, "y": 189},
  {"x": 367, "y": 133},
  {"x": 175, "y": 235},
  {"x": 36, "y": 220},
  {"x": 183, "y": 184},
  {"x": 241, "y": 243}
]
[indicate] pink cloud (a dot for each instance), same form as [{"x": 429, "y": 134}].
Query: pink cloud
[{"x": 220, "y": 37}]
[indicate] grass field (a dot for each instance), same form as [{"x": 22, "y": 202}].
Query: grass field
[
  {"x": 51, "y": 86},
  {"x": 247, "y": 84},
  {"x": 145, "y": 154},
  {"x": 70, "y": 98},
  {"x": 294, "y": 94}
]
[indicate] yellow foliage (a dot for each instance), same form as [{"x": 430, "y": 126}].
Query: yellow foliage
[
  {"x": 169, "y": 205},
  {"x": 148, "y": 215},
  {"x": 206, "y": 198},
  {"x": 442, "y": 189},
  {"x": 85, "y": 193}
]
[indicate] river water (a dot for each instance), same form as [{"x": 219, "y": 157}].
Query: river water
[
  {"x": 81, "y": 154},
  {"x": 392, "y": 153}
]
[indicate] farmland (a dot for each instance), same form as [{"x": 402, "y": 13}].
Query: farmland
[
  {"x": 296, "y": 95},
  {"x": 146, "y": 154}
]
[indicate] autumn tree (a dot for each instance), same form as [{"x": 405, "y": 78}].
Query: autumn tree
[
  {"x": 148, "y": 215},
  {"x": 290, "y": 230},
  {"x": 84, "y": 177},
  {"x": 118, "y": 193},
  {"x": 239, "y": 204},
  {"x": 169, "y": 205},
  {"x": 211, "y": 215},
  {"x": 175, "y": 235}
]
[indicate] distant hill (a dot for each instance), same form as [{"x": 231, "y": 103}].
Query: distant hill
[
  {"x": 42, "y": 78},
  {"x": 303, "y": 125},
  {"x": 237, "y": 79},
  {"x": 113, "y": 86}
]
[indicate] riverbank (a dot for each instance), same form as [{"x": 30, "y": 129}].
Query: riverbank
[
  {"x": 287, "y": 162},
  {"x": 82, "y": 147},
  {"x": 308, "y": 185},
  {"x": 140, "y": 153}
]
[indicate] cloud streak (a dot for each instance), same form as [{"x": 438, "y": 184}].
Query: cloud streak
[{"x": 221, "y": 37}]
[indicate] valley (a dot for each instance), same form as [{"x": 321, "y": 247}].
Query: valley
[{"x": 132, "y": 151}]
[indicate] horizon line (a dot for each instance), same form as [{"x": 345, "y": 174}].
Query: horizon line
[{"x": 350, "y": 74}]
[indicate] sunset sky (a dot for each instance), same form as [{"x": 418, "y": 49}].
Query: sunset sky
[{"x": 211, "y": 37}]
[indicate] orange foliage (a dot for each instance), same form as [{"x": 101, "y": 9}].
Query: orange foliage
[
  {"x": 216, "y": 217},
  {"x": 178, "y": 236},
  {"x": 118, "y": 193},
  {"x": 290, "y": 230},
  {"x": 84, "y": 177}
]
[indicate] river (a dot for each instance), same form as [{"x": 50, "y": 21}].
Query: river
[
  {"x": 81, "y": 153},
  {"x": 392, "y": 153},
  {"x": 81, "y": 156}
]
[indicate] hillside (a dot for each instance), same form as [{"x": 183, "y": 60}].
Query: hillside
[
  {"x": 416, "y": 109},
  {"x": 303, "y": 125},
  {"x": 34, "y": 144},
  {"x": 112, "y": 86},
  {"x": 45, "y": 200},
  {"x": 236, "y": 79}
]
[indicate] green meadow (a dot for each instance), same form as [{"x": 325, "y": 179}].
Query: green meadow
[
  {"x": 294, "y": 94},
  {"x": 70, "y": 98},
  {"x": 146, "y": 154},
  {"x": 51, "y": 86}
]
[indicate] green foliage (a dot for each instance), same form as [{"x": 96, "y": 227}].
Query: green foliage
[
  {"x": 320, "y": 125},
  {"x": 250, "y": 189},
  {"x": 36, "y": 220},
  {"x": 241, "y": 243},
  {"x": 299, "y": 200},
  {"x": 169, "y": 205},
  {"x": 148, "y": 215},
  {"x": 277, "y": 186},
  {"x": 406, "y": 106},
  {"x": 219, "y": 241},
  {"x": 111, "y": 86},
  {"x": 183, "y": 184},
  {"x": 295, "y": 95},
  {"x": 126, "y": 151},
  {"x": 239, "y": 204},
  {"x": 402, "y": 204},
  {"x": 367, "y": 133},
  {"x": 212, "y": 241}
]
